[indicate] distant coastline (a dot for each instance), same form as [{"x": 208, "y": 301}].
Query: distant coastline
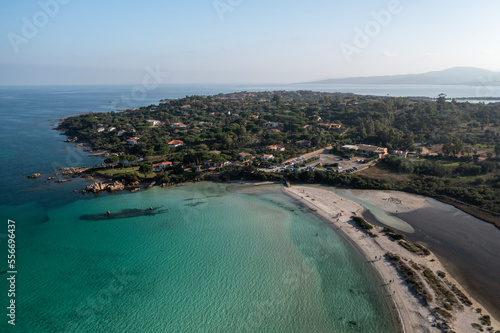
[{"x": 452, "y": 76}]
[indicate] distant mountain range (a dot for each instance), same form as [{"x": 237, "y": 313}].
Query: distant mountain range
[{"x": 452, "y": 76}]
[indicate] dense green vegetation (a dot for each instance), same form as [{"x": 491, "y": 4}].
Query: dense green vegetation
[
  {"x": 238, "y": 121},
  {"x": 415, "y": 248},
  {"x": 444, "y": 294},
  {"x": 463, "y": 170},
  {"x": 411, "y": 277},
  {"x": 485, "y": 320},
  {"x": 362, "y": 223},
  {"x": 393, "y": 235}
]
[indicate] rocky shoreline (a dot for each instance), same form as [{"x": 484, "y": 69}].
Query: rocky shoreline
[
  {"x": 107, "y": 184},
  {"x": 101, "y": 187},
  {"x": 67, "y": 173}
]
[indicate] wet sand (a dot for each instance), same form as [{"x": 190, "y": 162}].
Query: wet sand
[
  {"x": 468, "y": 247},
  {"x": 413, "y": 314}
]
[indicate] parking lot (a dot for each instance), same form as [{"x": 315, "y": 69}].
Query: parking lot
[
  {"x": 343, "y": 164},
  {"x": 324, "y": 163}
]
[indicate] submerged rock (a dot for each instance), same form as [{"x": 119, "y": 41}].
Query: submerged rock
[{"x": 126, "y": 213}]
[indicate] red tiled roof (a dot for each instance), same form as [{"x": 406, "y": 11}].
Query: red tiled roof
[{"x": 162, "y": 163}]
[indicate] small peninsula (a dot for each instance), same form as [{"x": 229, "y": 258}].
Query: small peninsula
[{"x": 438, "y": 148}]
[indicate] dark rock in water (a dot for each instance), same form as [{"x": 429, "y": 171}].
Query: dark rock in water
[
  {"x": 352, "y": 323},
  {"x": 195, "y": 204},
  {"x": 126, "y": 213},
  {"x": 34, "y": 175}
]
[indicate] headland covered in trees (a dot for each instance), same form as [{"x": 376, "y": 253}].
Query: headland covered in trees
[{"x": 443, "y": 149}]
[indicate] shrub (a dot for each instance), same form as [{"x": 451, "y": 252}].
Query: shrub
[
  {"x": 477, "y": 326},
  {"x": 485, "y": 320},
  {"x": 393, "y": 235},
  {"x": 389, "y": 230},
  {"x": 393, "y": 257},
  {"x": 443, "y": 313},
  {"x": 362, "y": 223},
  {"x": 441, "y": 291},
  {"x": 414, "y": 247}
]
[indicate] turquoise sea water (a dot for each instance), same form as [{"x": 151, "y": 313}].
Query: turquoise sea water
[
  {"x": 210, "y": 261},
  {"x": 214, "y": 261}
]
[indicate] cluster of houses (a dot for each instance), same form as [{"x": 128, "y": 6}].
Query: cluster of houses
[
  {"x": 101, "y": 128},
  {"x": 366, "y": 149},
  {"x": 404, "y": 154},
  {"x": 377, "y": 151},
  {"x": 272, "y": 126},
  {"x": 153, "y": 122},
  {"x": 157, "y": 167},
  {"x": 276, "y": 148}
]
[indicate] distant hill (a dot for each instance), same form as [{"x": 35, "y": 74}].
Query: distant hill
[{"x": 451, "y": 76}]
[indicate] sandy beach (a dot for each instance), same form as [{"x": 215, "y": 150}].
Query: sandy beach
[{"x": 415, "y": 316}]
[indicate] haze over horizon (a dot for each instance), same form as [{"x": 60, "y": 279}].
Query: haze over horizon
[{"x": 51, "y": 42}]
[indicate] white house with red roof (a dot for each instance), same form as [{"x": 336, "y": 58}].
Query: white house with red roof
[
  {"x": 276, "y": 148},
  {"x": 175, "y": 143},
  {"x": 132, "y": 141},
  {"x": 160, "y": 166},
  {"x": 267, "y": 157}
]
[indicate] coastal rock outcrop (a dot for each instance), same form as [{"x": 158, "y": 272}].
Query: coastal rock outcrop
[
  {"x": 34, "y": 175},
  {"x": 100, "y": 187},
  {"x": 71, "y": 171}
]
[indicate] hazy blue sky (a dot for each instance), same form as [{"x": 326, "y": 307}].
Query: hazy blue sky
[{"x": 241, "y": 41}]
